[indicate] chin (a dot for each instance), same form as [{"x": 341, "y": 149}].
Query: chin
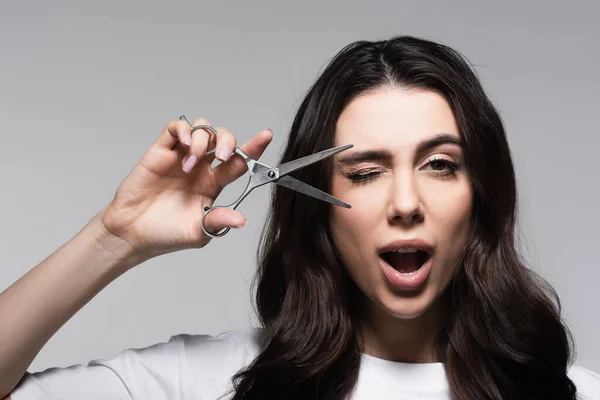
[{"x": 406, "y": 306}]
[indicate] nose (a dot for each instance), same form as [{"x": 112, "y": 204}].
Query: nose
[{"x": 404, "y": 201}]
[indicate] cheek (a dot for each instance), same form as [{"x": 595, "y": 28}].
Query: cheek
[
  {"x": 365, "y": 213},
  {"x": 352, "y": 228},
  {"x": 450, "y": 217},
  {"x": 449, "y": 204}
]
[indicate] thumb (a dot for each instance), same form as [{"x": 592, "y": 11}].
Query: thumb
[{"x": 220, "y": 218}]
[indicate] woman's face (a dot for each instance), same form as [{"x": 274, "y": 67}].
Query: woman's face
[{"x": 405, "y": 180}]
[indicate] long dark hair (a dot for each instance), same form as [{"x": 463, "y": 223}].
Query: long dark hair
[{"x": 503, "y": 336}]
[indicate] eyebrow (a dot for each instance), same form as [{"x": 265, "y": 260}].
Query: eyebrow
[{"x": 386, "y": 156}]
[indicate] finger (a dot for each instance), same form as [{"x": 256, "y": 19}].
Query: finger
[
  {"x": 174, "y": 132},
  {"x": 221, "y": 218},
  {"x": 202, "y": 141},
  {"x": 228, "y": 172},
  {"x": 226, "y": 142}
]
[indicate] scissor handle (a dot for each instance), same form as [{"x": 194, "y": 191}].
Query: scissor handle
[
  {"x": 252, "y": 184},
  {"x": 213, "y": 235}
]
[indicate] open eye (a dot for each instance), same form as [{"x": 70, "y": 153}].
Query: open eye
[{"x": 443, "y": 166}]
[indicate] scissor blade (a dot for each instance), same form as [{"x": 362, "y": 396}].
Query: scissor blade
[
  {"x": 291, "y": 166},
  {"x": 299, "y": 186}
]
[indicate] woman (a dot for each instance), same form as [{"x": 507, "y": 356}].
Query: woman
[{"x": 416, "y": 291}]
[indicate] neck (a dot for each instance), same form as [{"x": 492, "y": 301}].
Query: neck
[{"x": 403, "y": 340}]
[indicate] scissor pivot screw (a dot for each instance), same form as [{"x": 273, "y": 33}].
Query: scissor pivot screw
[{"x": 271, "y": 174}]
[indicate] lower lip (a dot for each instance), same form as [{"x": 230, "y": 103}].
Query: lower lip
[{"x": 406, "y": 282}]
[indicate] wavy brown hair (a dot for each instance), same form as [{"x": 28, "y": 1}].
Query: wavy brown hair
[{"x": 503, "y": 336}]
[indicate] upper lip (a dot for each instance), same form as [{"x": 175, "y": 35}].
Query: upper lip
[{"x": 418, "y": 244}]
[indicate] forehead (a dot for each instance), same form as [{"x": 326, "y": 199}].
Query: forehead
[{"x": 394, "y": 115}]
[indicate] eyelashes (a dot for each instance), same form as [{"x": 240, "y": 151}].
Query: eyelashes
[
  {"x": 448, "y": 167},
  {"x": 362, "y": 176},
  {"x": 438, "y": 166}
]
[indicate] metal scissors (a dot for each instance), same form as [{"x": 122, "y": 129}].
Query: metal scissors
[{"x": 261, "y": 174}]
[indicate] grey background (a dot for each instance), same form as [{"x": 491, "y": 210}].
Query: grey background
[{"x": 85, "y": 88}]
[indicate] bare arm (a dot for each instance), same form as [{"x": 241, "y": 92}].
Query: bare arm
[
  {"x": 44, "y": 299},
  {"x": 157, "y": 209}
]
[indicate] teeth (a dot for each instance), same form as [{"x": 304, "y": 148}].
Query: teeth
[{"x": 408, "y": 250}]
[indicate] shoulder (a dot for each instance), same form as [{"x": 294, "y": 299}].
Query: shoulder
[
  {"x": 217, "y": 357},
  {"x": 193, "y": 365},
  {"x": 186, "y": 366},
  {"x": 233, "y": 343},
  {"x": 586, "y": 381}
]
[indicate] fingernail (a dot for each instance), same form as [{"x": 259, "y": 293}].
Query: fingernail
[
  {"x": 190, "y": 163},
  {"x": 187, "y": 139},
  {"x": 224, "y": 153}
]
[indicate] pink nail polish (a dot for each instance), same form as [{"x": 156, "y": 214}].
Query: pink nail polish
[
  {"x": 224, "y": 153},
  {"x": 189, "y": 163}
]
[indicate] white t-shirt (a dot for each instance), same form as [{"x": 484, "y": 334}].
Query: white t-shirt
[{"x": 201, "y": 366}]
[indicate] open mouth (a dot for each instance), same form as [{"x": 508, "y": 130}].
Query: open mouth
[{"x": 406, "y": 261}]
